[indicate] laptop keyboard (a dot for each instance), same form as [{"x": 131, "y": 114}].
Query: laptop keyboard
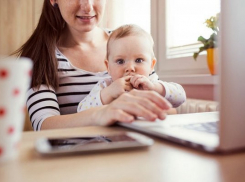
[{"x": 210, "y": 127}]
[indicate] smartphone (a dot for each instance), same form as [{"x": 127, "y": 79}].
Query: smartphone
[{"x": 122, "y": 140}]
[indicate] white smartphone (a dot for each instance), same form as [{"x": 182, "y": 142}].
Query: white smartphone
[{"x": 122, "y": 140}]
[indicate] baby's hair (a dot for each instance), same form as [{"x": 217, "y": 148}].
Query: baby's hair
[{"x": 128, "y": 30}]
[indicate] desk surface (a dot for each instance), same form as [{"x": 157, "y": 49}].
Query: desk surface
[{"x": 164, "y": 161}]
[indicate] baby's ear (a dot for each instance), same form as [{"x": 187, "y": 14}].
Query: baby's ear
[
  {"x": 107, "y": 64},
  {"x": 153, "y": 63}
]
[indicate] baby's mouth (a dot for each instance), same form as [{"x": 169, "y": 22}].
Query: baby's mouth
[{"x": 129, "y": 74}]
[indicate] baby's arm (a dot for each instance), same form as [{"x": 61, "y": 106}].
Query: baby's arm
[
  {"x": 173, "y": 92},
  {"x": 93, "y": 98},
  {"x": 104, "y": 92}
]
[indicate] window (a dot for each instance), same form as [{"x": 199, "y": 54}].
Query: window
[
  {"x": 140, "y": 16},
  {"x": 176, "y": 24},
  {"x": 184, "y": 15},
  {"x": 185, "y": 22}
]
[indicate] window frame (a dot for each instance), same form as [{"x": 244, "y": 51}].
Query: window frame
[{"x": 185, "y": 65}]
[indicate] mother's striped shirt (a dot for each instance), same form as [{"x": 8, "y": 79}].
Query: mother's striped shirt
[{"x": 74, "y": 85}]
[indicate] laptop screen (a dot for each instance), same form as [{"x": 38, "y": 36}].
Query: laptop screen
[{"x": 232, "y": 74}]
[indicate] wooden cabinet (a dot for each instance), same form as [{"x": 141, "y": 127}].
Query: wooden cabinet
[{"x": 18, "y": 19}]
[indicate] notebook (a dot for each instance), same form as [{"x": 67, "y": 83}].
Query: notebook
[{"x": 189, "y": 129}]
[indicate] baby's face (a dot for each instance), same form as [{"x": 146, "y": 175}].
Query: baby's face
[{"x": 129, "y": 56}]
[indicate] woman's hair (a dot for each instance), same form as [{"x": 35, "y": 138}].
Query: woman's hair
[
  {"x": 128, "y": 30},
  {"x": 40, "y": 47}
]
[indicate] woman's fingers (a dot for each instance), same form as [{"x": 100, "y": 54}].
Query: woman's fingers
[
  {"x": 120, "y": 115},
  {"x": 135, "y": 109},
  {"x": 154, "y": 97},
  {"x": 109, "y": 114},
  {"x": 147, "y": 104}
]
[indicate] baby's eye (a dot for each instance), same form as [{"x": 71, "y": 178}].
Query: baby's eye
[
  {"x": 120, "y": 61},
  {"x": 139, "y": 60}
]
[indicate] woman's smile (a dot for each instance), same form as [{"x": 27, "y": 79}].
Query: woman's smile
[{"x": 86, "y": 18}]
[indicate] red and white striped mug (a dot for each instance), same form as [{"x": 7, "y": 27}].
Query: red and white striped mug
[{"x": 15, "y": 76}]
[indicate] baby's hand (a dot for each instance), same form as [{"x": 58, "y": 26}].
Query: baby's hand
[
  {"x": 141, "y": 82},
  {"x": 120, "y": 86},
  {"x": 115, "y": 89}
]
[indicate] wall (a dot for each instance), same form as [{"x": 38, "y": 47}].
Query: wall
[
  {"x": 205, "y": 92},
  {"x": 18, "y": 18},
  {"x": 17, "y": 21}
]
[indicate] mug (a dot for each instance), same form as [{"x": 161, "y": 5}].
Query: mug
[{"x": 15, "y": 76}]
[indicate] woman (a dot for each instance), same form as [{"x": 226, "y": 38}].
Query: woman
[{"x": 68, "y": 50}]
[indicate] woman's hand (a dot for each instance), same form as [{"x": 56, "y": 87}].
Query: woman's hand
[{"x": 136, "y": 103}]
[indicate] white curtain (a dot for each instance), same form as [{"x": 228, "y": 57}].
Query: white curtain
[{"x": 113, "y": 15}]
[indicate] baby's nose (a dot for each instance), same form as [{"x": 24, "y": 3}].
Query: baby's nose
[{"x": 130, "y": 68}]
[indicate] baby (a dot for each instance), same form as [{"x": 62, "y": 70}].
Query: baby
[{"x": 130, "y": 62}]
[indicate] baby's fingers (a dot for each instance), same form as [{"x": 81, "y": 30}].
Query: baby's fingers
[{"x": 133, "y": 80}]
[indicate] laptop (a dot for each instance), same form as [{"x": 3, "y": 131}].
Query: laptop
[{"x": 226, "y": 128}]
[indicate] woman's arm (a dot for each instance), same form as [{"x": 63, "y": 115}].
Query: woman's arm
[
  {"x": 136, "y": 103},
  {"x": 41, "y": 104}
]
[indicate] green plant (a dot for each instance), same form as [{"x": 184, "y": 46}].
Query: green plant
[{"x": 211, "y": 42}]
